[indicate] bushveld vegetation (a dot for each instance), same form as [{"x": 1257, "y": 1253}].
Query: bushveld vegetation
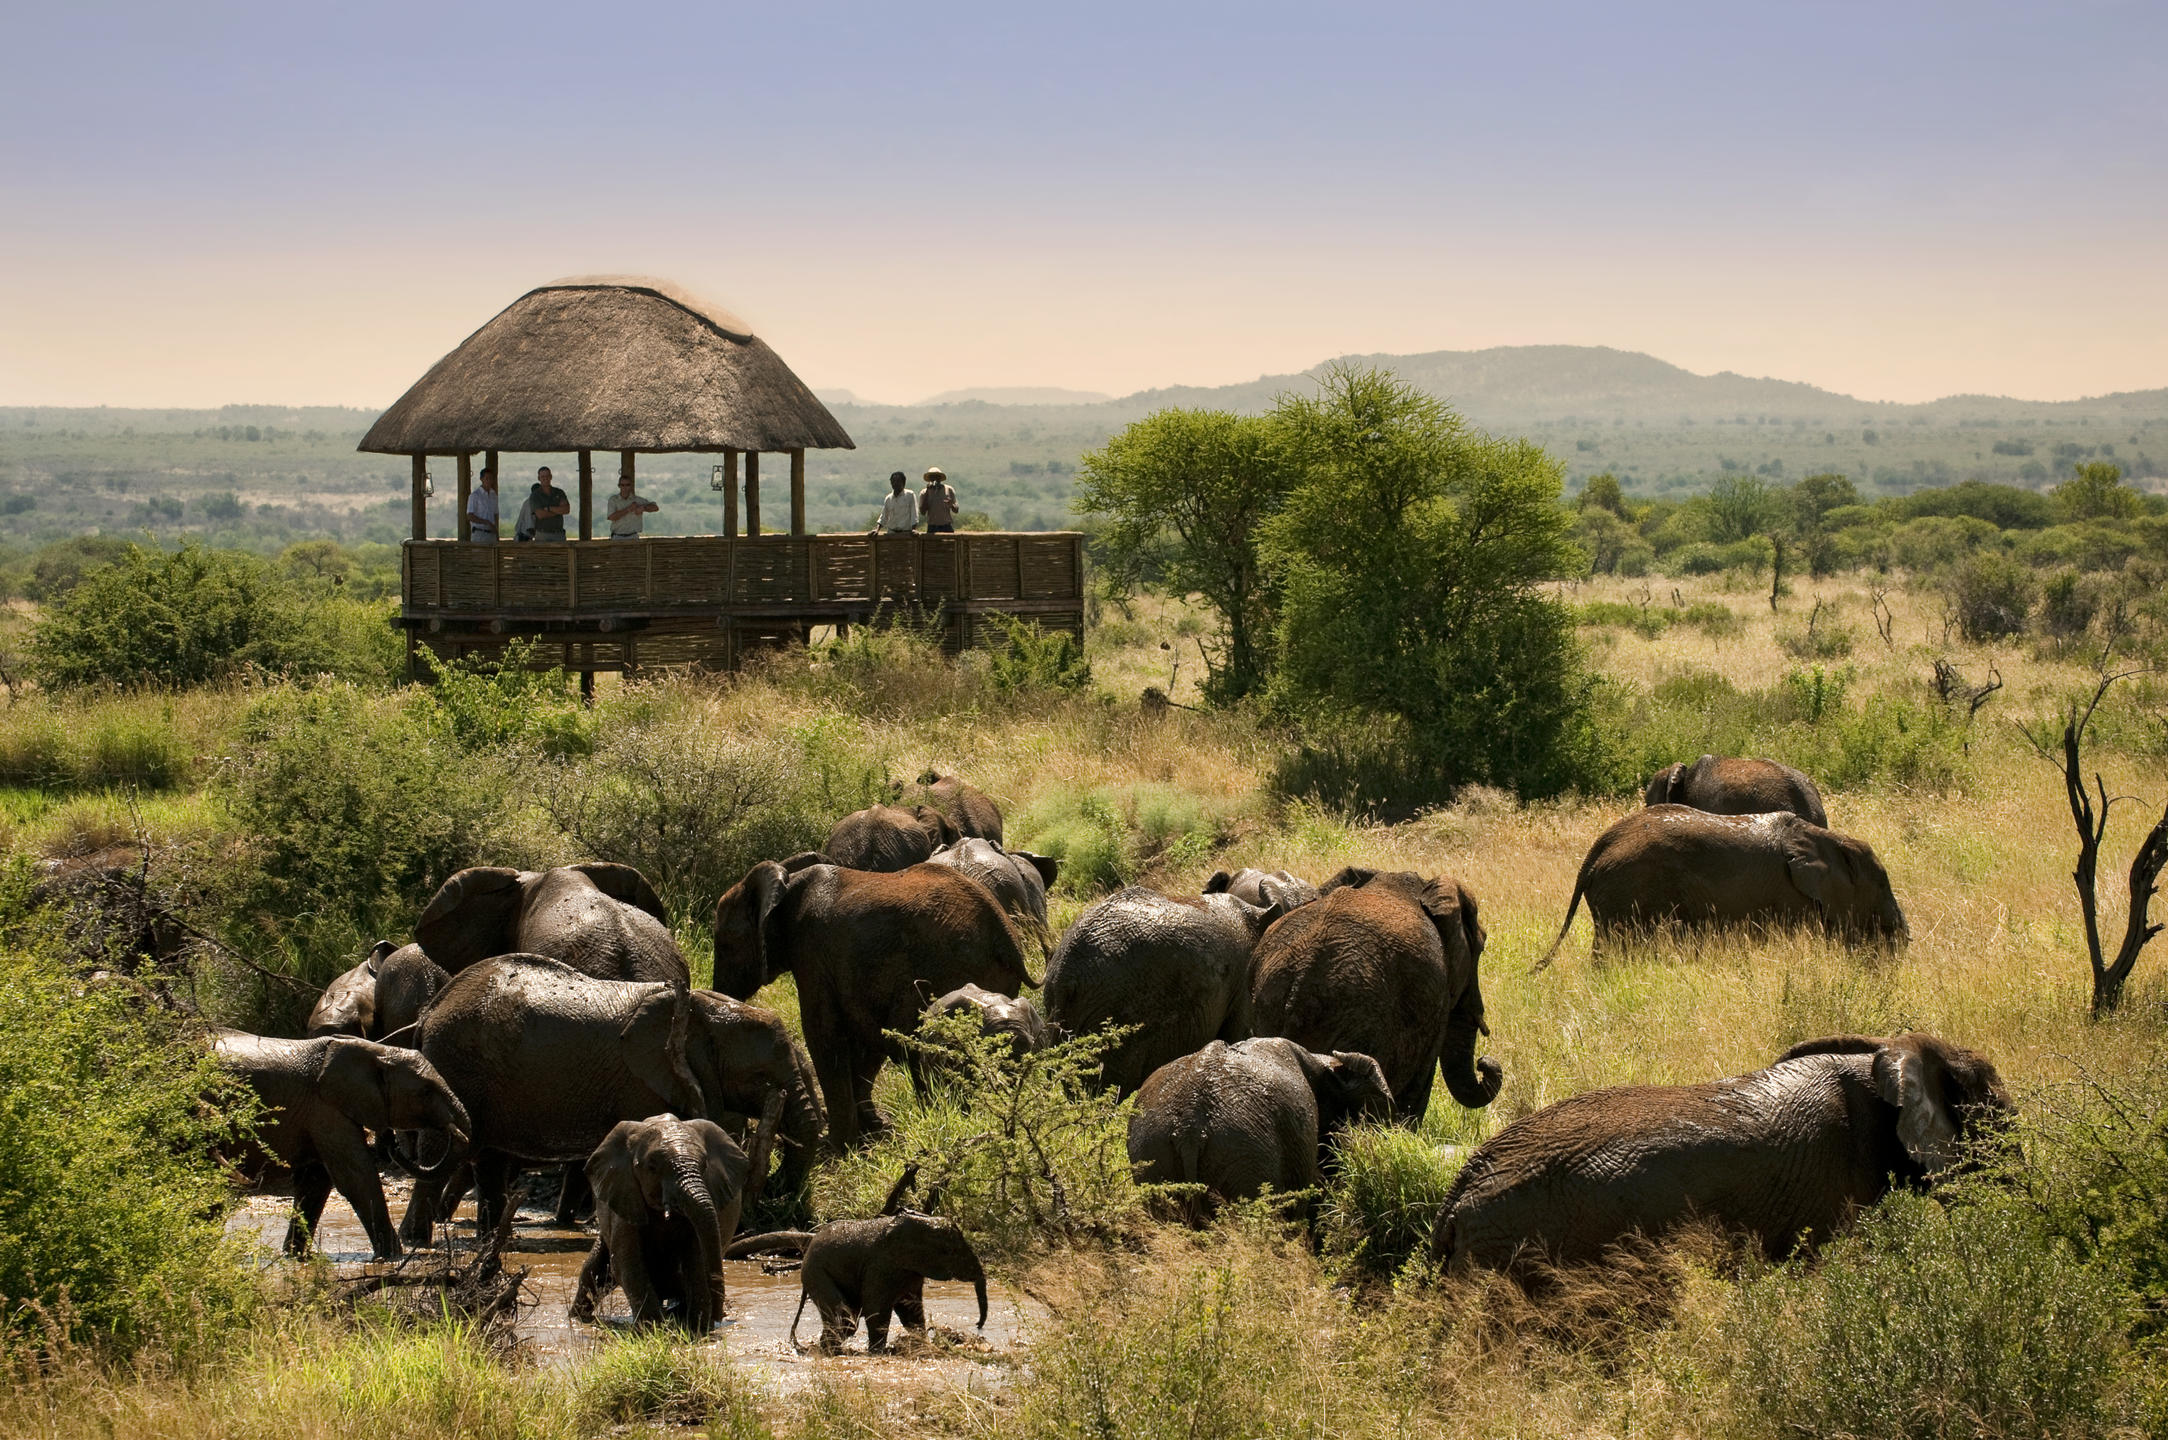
[{"x": 291, "y": 817}]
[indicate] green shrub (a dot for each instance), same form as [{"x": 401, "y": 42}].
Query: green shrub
[
  {"x": 1819, "y": 639},
  {"x": 657, "y": 1376},
  {"x": 1087, "y": 834},
  {"x": 1938, "y": 1322},
  {"x": 1707, "y": 557},
  {"x": 2068, "y": 604},
  {"x": 1712, "y": 618},
  {"x": 1018, "y": 1150},
  {"x": 1992, "y": 594},
  {"x": 111, "y": 1211},
  {"x": 503, "y": 703},
  {"x": 2098, "y": 1172},
  {"x": 134, "y": 741},
  {"x": 1641, "y": 619},
  {"x": 1383, "y": 1204},
  {"x": 1036, "y": 660}
]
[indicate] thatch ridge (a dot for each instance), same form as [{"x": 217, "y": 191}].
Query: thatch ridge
[{"x": 608, "y": 363}]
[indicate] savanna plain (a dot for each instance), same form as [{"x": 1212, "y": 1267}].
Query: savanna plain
[{"x": 289, "y": 823}]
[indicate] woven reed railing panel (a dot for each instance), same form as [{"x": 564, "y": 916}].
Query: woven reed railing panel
[
  {"x": 535, "y": 577},
  {"x": 694, "y": 570},
  {"x": 993, "y": 562},
  {"x": 772, "y": 571},
  {"x": 940, "y": 570},
  {"x": 843, "y": 569},
  {"x": 613, "y": 574},
  {"x": 470, "y": 576},
  {"x": 1048, "y": 569}
]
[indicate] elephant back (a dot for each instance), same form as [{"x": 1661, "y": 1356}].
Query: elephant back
[{"x": 880, "y": 838}]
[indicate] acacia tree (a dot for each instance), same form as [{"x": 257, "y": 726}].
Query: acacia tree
[
  {"x": 1183, "y": 493},
  {"x": 1408, "y": 555}
]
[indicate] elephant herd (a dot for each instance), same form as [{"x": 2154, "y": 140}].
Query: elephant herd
[{"x": 549, "y": 1019}]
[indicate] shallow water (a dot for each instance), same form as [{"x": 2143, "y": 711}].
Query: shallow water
[{"x": 759, "y": 1306}]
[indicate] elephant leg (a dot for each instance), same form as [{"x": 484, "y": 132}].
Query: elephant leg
[
  {"x": 911, "y": 1304},
  {"x": 839, "y": 1317},
  {"x": 628, "y": 1261},
  {"x": 832, "y": 1066},
  {"x": 312, "y": 1187},
  {"x": 418, "y": 1226},
  {"x": 865, "y": 1069},
  {"x": 353, "y": 1170},
  {"x": 575, "y": 1201},
  {"x": 595, "y": 1282},
  {"x": 492, "y": 1181}
]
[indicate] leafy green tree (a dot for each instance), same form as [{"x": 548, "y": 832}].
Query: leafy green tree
[
  {"x": 1602, "y": 492},
  {"x": 2095, "y": 491},
  {"x": 1810, "y": 501},
  {"x": 1183, "y": 493},
  {"x": 1409, "y": 555},
  {"x": 1739, "y": 507}
]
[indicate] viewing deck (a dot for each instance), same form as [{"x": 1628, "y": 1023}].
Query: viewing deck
[{"x": 704, "y": 600}]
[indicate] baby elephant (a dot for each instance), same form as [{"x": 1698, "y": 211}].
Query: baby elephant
[
  {"x": 667, "y": 1195},
  {"x": 871, "y": 1268},
  {"x": 1246, "y": 1118},
  {"x": 1785, "y": 1154},
  {"x": 1013, "y": 1016}
]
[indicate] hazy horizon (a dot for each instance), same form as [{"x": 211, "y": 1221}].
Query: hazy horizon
[{"x": 279, "y": 206}]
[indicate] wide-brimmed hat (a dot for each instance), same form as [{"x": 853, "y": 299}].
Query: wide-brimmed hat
[{"x": 935, "y": 472}]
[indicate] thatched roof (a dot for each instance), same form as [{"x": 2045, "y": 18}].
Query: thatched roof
[{"x": 608, "y": 362}]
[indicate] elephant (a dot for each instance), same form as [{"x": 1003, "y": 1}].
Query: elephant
[
  {"x": 859, "y": 943},
  {"x": 884, "y": 838},
  {"x": 1242, "y": 1119},
  {"x": 668, "y": 1193},
  {"x": 1017, "y": 878},
  {"x": 868, "y": 1268},
  {"x": 969, "y": 809},
  {"x": 1262, "y": 887},
  {"x": 548, "y": 1060},
  {"x": 1384, "y": 964},
  {"x": 381, "y": 998},
  {"x": 1675, "y": 864},
  {"x": 1785, "y": 1154},
  {"x": 1007, "y": 1015},
  {"x": 1178, "y": 968},
  {"x": 603, "y": 920},
  {"x": 320, "y": 1096},
  {"x": 1727, "y": 785}
]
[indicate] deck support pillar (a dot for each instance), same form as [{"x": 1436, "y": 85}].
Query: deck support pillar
[
  {"x": 587, "y": 494},
  {"x": 752, "y": 493},
  {"x": 730, "y": 494},
  {"x": 624, "y": 471},
  {"x": 797, "y": 491},
  {"x": 421, "y": 497},
  {"x": 460, "y": 527}
]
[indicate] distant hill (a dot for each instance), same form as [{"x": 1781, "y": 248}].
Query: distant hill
[{"x": 1017, "y": 395}]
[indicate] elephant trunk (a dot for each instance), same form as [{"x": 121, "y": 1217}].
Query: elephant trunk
[
  {"x": 689, "y": 1195},
  {"x": 1471, "y": 1081},
  {"x": 803, "y": 1123},
  {"x": 458, "y": 1133}
]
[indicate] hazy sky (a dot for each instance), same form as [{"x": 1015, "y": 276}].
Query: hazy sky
[{"x": 301, "y": 203}]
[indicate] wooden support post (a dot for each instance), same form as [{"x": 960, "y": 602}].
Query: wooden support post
[
  {"x": 730, "y": 494},
  {"x": 797, "y": 491},
  {"x": 752, "y": 493},
  {"x": 460, "y": 527},
  {"x": 421, "y": 501},
  {"x": 587, "y": 494},
  {"x": 624, "y": 471}
]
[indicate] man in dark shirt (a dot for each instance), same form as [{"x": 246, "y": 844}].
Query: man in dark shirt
[{"x": 550, "y": 507}]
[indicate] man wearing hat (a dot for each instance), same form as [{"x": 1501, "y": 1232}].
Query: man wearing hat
[{"x": 937, "y": 503}]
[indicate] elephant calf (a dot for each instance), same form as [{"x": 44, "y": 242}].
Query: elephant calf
[
  {"x": 321, "y": 1096},
  {"x": 1672, "y": 864},
  {"x": 1012, "y": 1017},
  {"x": 971, "y": 810},
  {"x": 382, "y": 998},
  {"x": 667, "y": 1198},
  {"x": 873, "y": 1268},
  {"x": 1732, "y": 785},
  {"x": 1243, "y": 1119},
  {"x": 1785, "y": 1154},
  {"x": 602, "y": 920},
  {"x": 1262, "y": 887},
  {"x": 886, "y": 839},
  {"x": 1017, "y": 879}
]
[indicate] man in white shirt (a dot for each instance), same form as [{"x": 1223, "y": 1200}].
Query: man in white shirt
[
  {"x": 628, "y": 511},
  {"x": 899, "y": 512},
  {"x": 482, "y": 509}
]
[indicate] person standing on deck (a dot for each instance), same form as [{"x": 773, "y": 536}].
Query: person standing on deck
[
  {"x": 482, "y": 509},
  {"x": 937, "y": 502},
  {"x": 899, "y": 512},
  {"x": 628, "y": 511},
  {"x": 550, "y": 507}
]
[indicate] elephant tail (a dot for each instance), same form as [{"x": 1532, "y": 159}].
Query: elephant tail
[
  {"x": 1573, "y": 907},
  {"x": 794, "y": 1317}
]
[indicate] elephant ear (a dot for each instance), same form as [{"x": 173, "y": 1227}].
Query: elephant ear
[
  {"x": 473, "y": 916},
  {"x": 378, "y": 953},
  {"x": 352, "y": 1082},
  {"x": 804, "y": 860},
  {"x": 1808, "y": 864},
  {"x": 1452, "y": 910},
  {"x": 1910, "y": 1076},
  {"x": 728, "y": 1167},
  {"x": 1359, "y": 1083},
  {"x": 609, "y": 1174},
  {"x": 751, "y": 946},
  {"x": 937, "y": 824},
  {"x": 624, "y": 884},
  {"x": 1049, "y": 868},
  {"x": 1219, "y": 884},
  {"x": 1664, "y": 785},
  {"x": 1350, "y": 877}
]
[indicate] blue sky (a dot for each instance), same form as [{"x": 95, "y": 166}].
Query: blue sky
[{"x": 308, "y": 204}]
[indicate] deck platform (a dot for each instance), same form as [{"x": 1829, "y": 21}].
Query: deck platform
[{"x": 706, "y": 600}]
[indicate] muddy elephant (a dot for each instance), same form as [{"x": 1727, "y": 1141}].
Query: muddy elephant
[
  {"x": 668, "y": 1193},
  {"x": 1731, "y": 785},
  {"x": 1785, "y": 1154},
  {"x": 1250, "y": 1117},
  {"x": 969, "y": 809},
  {"x": 1384, "y": 964},
  {"x": 320, "y": 1097},
  {"x": 1672, "y": 864},
  {"x": 1262, "y": 887},
  {"x": 859, "y": 943},
  {"x": 871, "y": 1268},
  {"x": 602, "y": 920},
  {"x": 1012, "y": 1017},
  {"x": 382, "y": 998},
  {"x": 1177, "y": 968},
  {"x": 1018, "y": 879},
  {"x": 548, "y": 1061},
  {"x": 886, "y": 839}
]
